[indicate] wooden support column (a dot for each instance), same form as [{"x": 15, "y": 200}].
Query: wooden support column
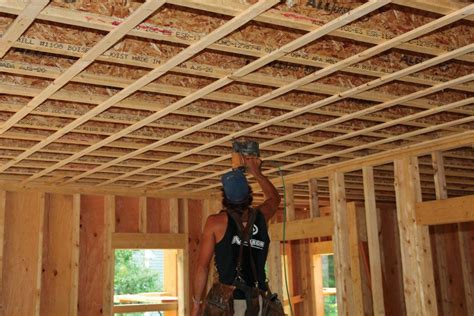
[
  {"x": 307, "y": 286},
  {"x": 373, "y": 242},
  {"x": 183, "y": 263},
  {"x": 441, "y": 247},
  {"x": 290, "y": 203},
  {"x": 467, "y": 269},
  {"x": 275, "y": 270},
  {"x": 142, "y": 214},
  {"x": 417, "y": 265},
  {"x": 60, "y": 266},
  {"x": 3, "y": 198},
  {"x": 355, "y": 259},
  {"x": 23, "y": 253},
  {"x": 289, "y": 262},
  {"x": 171, "y": 255},
  {"x": 345, "y": 305},
  {"x": 441, "y": 250},
  {"x": 109, "y": 255},
  {"x": 318, "y": 284},
  {"x": 311, "y": 295},
  {"x": 313, "y": 198},
  {"x": 75, "y": 239}
]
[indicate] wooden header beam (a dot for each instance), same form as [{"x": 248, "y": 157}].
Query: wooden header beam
[
  {"x": 302, "y": 229},
  {"x": 148, "y": 241},
  {"x": 448, "y": 211}
]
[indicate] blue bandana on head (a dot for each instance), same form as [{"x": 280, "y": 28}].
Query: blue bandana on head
[{"x": 236, "y": 187}]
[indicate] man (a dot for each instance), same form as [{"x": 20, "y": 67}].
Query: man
[{"x": 220, "y": 235}]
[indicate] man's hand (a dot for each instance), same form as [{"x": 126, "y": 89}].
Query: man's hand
[
  {"x": 272, "y": 198},
  {"x": 253, "y": 165}
]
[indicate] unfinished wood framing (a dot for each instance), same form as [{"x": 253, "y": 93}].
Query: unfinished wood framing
[
  {"x": 238, "y": 76},
  {"x": 373, "y": 242},
  {"x": 441, "y": 249},
  {"x": 116, "y": 123},
  {"x": 419, "y": 287},
  {"x": 2, "y": 244},
  {"x": 355, "y": 260},
  {"x": 342, "y": 267},
  {"x": 452, "y": 210},
  {"x": 23, "y": 253},
  {"x": 109, "y": 254},
  {"x": 183, "y": 264}
]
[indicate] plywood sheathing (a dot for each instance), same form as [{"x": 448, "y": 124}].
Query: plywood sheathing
[{"x": 31, "y": 66}]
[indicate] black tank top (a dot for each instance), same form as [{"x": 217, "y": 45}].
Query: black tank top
[{"x": 226, "y": 254}]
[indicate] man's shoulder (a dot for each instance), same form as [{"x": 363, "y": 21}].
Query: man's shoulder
[{"x": 218, "y": 218}]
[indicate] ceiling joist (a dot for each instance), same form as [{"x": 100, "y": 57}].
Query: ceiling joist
[{"x": 317, "y": 89}]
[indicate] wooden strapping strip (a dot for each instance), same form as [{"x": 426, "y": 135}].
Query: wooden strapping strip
[
  {"x": 88, "y": 58},
  {"x": 116, "y": 57},
  {"x": 50, "y": 72},
  {"x": 441, "y": 7},
  {"x": 347, "y": 18},
  {"x": 444, "y": 143},
  {"x": 360, "y": 147},
  {"x": 21, "y": 24},
  {"x": 305, "y": 80},
  {"x": 339, "y": 120},
  {"x": 154, "y": 74},
  {"x": 301, "y": 22},
  {"x": 229, "y": 7}
]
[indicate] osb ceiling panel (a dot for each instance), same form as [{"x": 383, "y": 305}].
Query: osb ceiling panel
[{"x": 146, "y": 96}]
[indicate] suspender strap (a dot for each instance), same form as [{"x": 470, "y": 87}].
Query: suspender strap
[{"x": 245, "y": 235}]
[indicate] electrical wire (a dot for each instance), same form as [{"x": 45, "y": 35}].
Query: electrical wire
[{"x": 284, "y": 241}]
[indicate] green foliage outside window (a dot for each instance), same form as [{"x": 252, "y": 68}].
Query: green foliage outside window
[
  {"x": 330, "y": 303},
  {"x": 131, "y": 274}
]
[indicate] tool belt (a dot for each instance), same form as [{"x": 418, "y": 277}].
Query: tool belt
[{"x": 220, "y": 301}]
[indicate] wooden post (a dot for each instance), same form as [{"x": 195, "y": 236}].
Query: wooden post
[
  {"x": 318, "y": 284},
  {"x": 109, "y": 255},
  {"x": 142, "y": 214},
  {"x": 171, "y": 255},
  {"x": 290, "y": 216},
  {"x": 76, "y": 232},
  {"x": 355, "y": 258},
  {"x": 373, "y": 241},
  {"x": 42, "y": 211},
  {"x": 467, "y": 270},
  {"x": 23, "y": 253},
  {"x": 313, "y": 198},
  {"x": 418, "y": 279},
  {"x": 290, "y": 204},
  {"x": 183, "y": 264},
  {"x": 345, "y": 305},
  {"x": 307, "y": 286},
  {"x": 3, "y": 198},
  {"x": 275, "y": 268},
  {"x": 59, "y": 287},
  {"x": 441, "y": 249},
  {"x": 313, "y": 297}
]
